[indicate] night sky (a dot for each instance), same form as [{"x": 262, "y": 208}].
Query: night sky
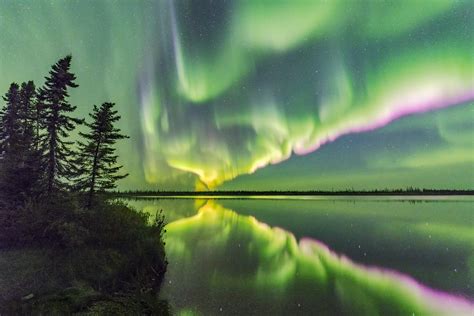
[{"x": 265, "y": 94}]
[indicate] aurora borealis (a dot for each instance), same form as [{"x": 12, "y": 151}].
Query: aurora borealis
[
  {"x": 282, "y": 95},
  {"x": 298, "y": 87},
  {"x": 211, "y": 91},
  {"x": 277, "y": 275}
]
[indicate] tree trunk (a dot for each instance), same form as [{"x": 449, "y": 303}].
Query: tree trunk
[
  {"x": 94, "y": 172},
  {"x": 52, "y": 150},
  {"x": 52, "y": 161}
]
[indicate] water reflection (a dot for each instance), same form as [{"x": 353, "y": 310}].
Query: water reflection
[
  {"x": 431, "y": 241},
  {"x": 174, "y": 208},
  {"x": 225, "y": 263}
]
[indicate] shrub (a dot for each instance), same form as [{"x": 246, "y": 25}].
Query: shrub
[{"x": 110, "y": 247}]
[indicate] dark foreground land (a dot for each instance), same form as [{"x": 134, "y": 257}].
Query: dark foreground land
[{"x": 61, "y": 258}]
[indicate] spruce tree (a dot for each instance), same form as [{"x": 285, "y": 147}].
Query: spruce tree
[
  {"x": 96, "y": 167},
  {"x": 58, "y": 123},
  {"x": 28, "y": 113},
  {"x": 27, "y": 106},
  {"x": 37, "y": 118},
  {"x": 19, "y": 159},
  {"x": 10, "y": 123},
  {"x": 9, "y": 137},
  {"x": 31, "y": 171}
]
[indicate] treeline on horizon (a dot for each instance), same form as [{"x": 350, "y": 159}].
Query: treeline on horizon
[{"x": 406, "y": 191}]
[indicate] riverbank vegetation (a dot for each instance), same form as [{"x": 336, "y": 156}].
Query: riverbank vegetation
[{"x": 64, "y": 247}]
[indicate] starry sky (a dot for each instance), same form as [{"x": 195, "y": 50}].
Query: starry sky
[{"x": 265, "y": 94}]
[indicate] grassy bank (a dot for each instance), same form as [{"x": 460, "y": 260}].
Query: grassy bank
[{"x": 58, "y": 257}]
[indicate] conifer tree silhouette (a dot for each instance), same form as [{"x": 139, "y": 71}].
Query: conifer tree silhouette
[
  {"x": 10, "y": 135},
  {"x": 10, "y": 122},
  {"x": 20, "y": 169},
  {"x": 96, "y": 168},
  {"x": 32, "y": 112},
  {"x": 58, "y": 123}
]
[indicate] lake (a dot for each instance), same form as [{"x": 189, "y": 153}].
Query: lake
[{"x": 318, "y": 255}]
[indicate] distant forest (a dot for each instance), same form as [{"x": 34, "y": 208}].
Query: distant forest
[{"x": 401, "y": 192}]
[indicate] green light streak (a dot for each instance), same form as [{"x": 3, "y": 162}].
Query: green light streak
[{"x": 278, "y": 274}]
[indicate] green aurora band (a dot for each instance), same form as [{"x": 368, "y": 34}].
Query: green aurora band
[
  {"x": 279, "y": 275},
  {"x": 235, "y": 94},
  {"x": 213, "y": 90}
]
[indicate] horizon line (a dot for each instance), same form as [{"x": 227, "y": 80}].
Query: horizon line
[{"x": 408, "y": 191}]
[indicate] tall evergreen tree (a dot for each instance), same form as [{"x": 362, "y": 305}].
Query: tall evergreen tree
[
  {"x": 27, "y": 103},
  {"x": 9, "y": 136},
  {"x": 19, "y": 159},
  {"x": 58, "y": 123},
  {"x": 96, "y": 168},
  {"x": 10, "y": 122},
  {"x": 27, "y": 100},
  {"x": 31, "y": 170},
  {"x": 37, "y": 118}
]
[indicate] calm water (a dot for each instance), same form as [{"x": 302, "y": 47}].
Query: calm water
[{"x": 318, "y": 254}]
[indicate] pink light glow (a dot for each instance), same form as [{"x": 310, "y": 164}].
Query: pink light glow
[
  {"x": 440, "y": 301},
  {"x": 392, "y": 112}
]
